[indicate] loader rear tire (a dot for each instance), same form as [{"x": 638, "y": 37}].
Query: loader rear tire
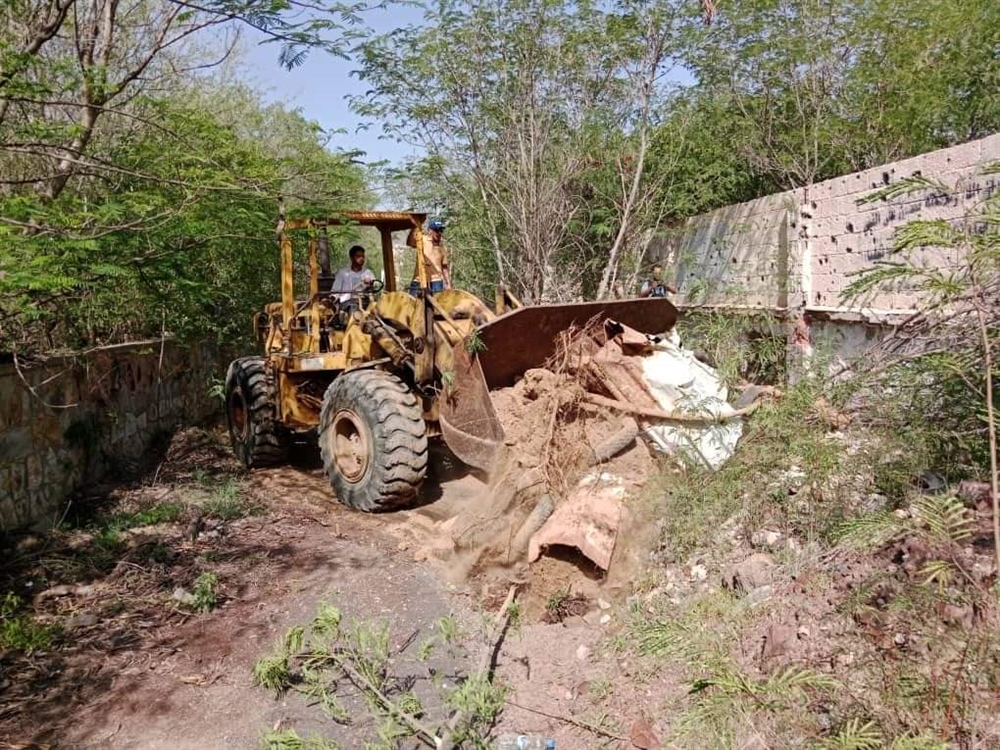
[
  {"x": 373, "y": 441},
  {"x": 258, "y": 438}
]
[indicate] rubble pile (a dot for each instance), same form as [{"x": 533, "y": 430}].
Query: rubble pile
[{"x": 582, "y": 436}]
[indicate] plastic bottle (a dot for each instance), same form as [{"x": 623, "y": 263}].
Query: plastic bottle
[{"x": 525, "y": 742}]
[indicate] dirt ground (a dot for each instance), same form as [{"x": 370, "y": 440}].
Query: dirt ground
[{"x": 136, "y": 670}]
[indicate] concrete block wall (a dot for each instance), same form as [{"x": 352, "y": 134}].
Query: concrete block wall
[
  {"x": 845, "y": 238},
  {"x": 802, "y": 248},
  {"x": 89, "y": 414},
  {"x": 737, "y": 252},
  {"x": 795, "y": 253}
]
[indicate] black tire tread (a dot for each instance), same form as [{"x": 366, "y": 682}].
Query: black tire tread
[
  {"x": 268, "y": 439},
  {"x": 395, "y": 418}
]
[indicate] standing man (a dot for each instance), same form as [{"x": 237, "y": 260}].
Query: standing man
[
  {"x": 436, "y": 260},
  {"x": 655, "y": 286},
  {"x": 352, "y": 277}
]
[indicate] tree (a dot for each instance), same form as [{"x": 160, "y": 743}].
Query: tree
[
  {"x": 179, "y": 236},
  {"x": 518, "y": 101},
  {"x": 826, "y": 87},
  {"x": 126, "y": 202}
]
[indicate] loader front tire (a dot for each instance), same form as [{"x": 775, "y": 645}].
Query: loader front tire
[
  {"x": 258, "y": 438},
  {"x": 373, "y": 441}
]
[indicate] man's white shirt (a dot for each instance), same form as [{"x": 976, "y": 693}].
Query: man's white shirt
[{"x": 347, "y": 280}]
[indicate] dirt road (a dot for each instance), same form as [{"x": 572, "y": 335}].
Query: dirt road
[{"x": 136, "y": 670}]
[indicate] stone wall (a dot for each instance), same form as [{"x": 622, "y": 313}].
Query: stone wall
[
  {"x": 796, "y": 252},
  {"x": 72, "y": 419}
]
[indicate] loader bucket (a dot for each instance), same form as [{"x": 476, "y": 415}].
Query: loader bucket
[
  {"x": 469, "y": 423},
  {"x": 525, "y": 338},
  {"x": 514, "y": 343}
]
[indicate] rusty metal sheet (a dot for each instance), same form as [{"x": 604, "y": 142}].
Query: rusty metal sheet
[
  {"x": 526, "y": 337},
  {"x": 588, "y": 520}
]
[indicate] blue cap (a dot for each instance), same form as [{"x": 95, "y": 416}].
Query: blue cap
[{"x": 435, "y": 225}]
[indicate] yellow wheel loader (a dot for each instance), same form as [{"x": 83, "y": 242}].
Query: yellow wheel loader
[{"x": 377, "y": 372}]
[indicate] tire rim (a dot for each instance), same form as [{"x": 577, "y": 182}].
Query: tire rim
[
  {"x": 350, "y": 445},
  {"x": 238, "y": 416}
]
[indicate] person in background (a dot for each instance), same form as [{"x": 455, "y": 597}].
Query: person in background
[
  {"x": 436, "y": 260},
  {"x": 655, "y": 286},
  {"x": 354, "y": 277}
]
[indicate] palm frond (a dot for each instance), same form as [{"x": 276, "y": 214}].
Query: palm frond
[
  {"x": 855, "y": 735},
  {"x": 906, "y": 186},
  {"x": 946, "y": 518}
]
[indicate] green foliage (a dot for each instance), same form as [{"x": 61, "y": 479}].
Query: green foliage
[
  {"x": 167, "y": 512},
  {"x": 205, "y": 592},
  {"x": 287, "y": 739},
  {"x": 740, "y": 346},
  {"x": 271, "y": 672},
  {"x": 943, "y": 375},
  {"x": 228, "y": 503},
  {"x": 858, "y": 735},
  {"x": 946, "y": 518},
  {"x": 447, "y": 628},
  {"x": 183, "y": 242},
  {"x": 20, "y": 631},
  {"x": 804, "y": 478},
  {"x": 322, "y": 659},
  {"x": 826, "y": 87},
  {"x": 480, "y": 700},
  {"x": 474, "y": 343},
  {"x": 855, "y": 735}
]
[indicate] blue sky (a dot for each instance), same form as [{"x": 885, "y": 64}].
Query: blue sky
[{"x": 320, "y": 85}]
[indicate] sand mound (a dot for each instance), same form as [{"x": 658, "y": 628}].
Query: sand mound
[{"x": 555, "y": 443}]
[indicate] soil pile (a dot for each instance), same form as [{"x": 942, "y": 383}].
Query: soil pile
[{"x": 557, "y": 446}]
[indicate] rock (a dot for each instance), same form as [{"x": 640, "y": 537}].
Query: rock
[
  {"x": 605, "y": 619},
  {"x": 803, "y": 632},
  {"x": 643, "y": 735},
  {"x": 931, "y": 482},
  {"x": 603, "y": 604},
  {"x": 592, "y": 617},
  {"x": 81, "y": 620},
  {"x": 899, "y": 639},
  {"x": 754, "y": 393},
  {"x": 869, "y": 617},
  {"x": 830, "y": 416},
  {"x": 778, "y": 641},
  {"x": 78, "y": 540},
  {"x": 901, "y": 513},
  {"x": 767, "y": 538},
  {"x": 759, "y": 595},
  {"x": 754, "y": 572},
  {"x": 699, "y": 572},
  {"x": 583, "y": 652},
  {"x": 183, "y": 596}
]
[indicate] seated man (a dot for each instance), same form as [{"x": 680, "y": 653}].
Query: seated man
[
  {"x": 436, "y": 260},
  {"x": 353, "y": 278}
]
